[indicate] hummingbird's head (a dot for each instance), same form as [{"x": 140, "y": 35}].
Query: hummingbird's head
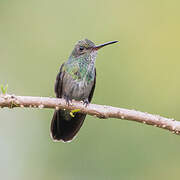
[{"x": 85, "y": 48}]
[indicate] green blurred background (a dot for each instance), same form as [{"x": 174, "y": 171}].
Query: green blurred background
[{"x": 141, "y": 72}]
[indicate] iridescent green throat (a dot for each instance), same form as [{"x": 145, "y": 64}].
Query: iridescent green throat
[{"x": 81, "y": 68}]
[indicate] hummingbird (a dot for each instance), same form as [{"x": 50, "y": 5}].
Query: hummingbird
[{"x": 75, "y": 80}]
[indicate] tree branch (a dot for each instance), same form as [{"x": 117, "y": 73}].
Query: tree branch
[{"x": 100, "y": 111}]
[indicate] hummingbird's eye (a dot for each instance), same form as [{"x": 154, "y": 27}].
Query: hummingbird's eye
[{"x": 81, "y": 48}]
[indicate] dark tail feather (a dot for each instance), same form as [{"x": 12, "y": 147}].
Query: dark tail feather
[{"x": 65, "y": 129}]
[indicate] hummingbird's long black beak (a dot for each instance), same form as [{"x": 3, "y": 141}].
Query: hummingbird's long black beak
[{"x": 102, "y": 45}]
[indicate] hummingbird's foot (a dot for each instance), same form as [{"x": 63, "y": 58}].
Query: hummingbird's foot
[
  {"x": 68, "y": 100},
  {"x": 85, "y": 102}
]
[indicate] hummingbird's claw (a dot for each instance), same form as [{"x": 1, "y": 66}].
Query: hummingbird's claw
[
  {"x": 86, "y": 102},
  {"x": 68, "y": 100}
]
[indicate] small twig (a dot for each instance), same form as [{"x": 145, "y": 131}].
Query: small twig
[
  {"x": 4, "y": 88},
  {"x": 100, "y": 111}
]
